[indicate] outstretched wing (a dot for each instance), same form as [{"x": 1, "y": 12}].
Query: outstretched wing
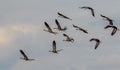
[
  {"x": 108, "y": 26},
  {"x": 114, "y": 31},
  {"x": 80, "y": 29},
  {"x": 66, "y": 35},
  {"x": 103, "y": 16},
  {"x": 75, "y": 26},
  {"x": 83, "y": 30},
  {"x": 25, "y": 56},
  {"x": 57, "y": 23},
  {"x": 97, "y": 44},
  {"x": 63, "y": 16},
  {"x": 47, "y": 26},
  {"x": 92, "y": 39},
  {"x": 84, "y": 7},
  {"x": 54, "y": 45},
  {"x": 92, "y": 10},
  {"x": 107, "y": 18}
]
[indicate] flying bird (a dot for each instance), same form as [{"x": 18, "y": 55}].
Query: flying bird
[
  {"x": 68, "y": 38},
  {"x": 89, "y": 8},
  {"x": 54, "y": 48},
  {"x": 97, "y": 42},
  {"x": 113, "y": 27},
  {"x": 49, "y": 29},
  {"x": 59, "y": 26},
  {"x": 25, "y": 56},
  {"x": 63, "y": 16},
  {"x": 108, "y": 19},
  {"x": 78, "y": 28}
]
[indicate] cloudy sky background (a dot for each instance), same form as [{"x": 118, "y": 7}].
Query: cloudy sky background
[{"x": 22, "y": 24}]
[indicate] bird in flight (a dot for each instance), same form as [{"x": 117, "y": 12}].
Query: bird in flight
[
  {"x": 49, "y": 29},
  {"x": 108, "y": 19},
  {"x": 25, "y": 57},
  {"x": 86, "y": 7},
  {"x": 54, "y": 48},
  {"x": 78, "y": 28},
  {"x": 59, "y": 26},
  {"x": 69, "y": 39},
  {"x": 97, "y": 42},
  {"x": 113, "y": 27},
  {"x": 63, "y": 16}
]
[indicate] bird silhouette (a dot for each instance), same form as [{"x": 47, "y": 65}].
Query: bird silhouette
[
  {"x": 97, "y": 42},
  {"x": 69, "y": 39},
  {"x": 78, "y": 28},
  {"x": 108, "y": 19},
  {"x": 86, "y": 7},
  {"x": 25, "y": 56},
  {"x": 49, "y": 29},
  {"x": 54, "y": 48},
  {"x": 59, "y": 26},
  {"x": 114, "y": 29},
  {"x": 63, "y": 16}
]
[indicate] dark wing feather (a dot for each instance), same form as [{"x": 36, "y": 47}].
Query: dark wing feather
[
  {"x": 80, "y": 29},
  {"x": 83, "y": 30},
  {"x": 114, "y": 31},
  {"x": 47, "y": 26},
  {"x": 92, "y": 39},
  {"x": 66, "y": 36},
  {"x": 25, "y": 56},
  {"x": 103, "y": 16},
  {"x": 108, "y": 26},
  {"x": 110, "y": 20},
  {"x": 92, "y": 12},
  {"x": 54, "y": 45},
  {"x": 63, "y": 16},
  {"x": 97, "y": 44},
  {"x": 57, "y": 23},
  {"x": 76, "y": 26},
  {"x": 84, "y": 7}
]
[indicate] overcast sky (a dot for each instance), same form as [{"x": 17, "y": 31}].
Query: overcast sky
[{"x": 22, "y": 25}]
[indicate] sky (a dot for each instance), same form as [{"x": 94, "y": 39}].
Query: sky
[{"x": 22, "y": 25}]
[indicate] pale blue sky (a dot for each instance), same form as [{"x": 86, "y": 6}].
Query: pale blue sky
[{"x": 22, "y": 24}]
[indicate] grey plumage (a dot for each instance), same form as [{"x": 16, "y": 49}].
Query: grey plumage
[
  {"x": 54, "y": 48},
  {"x": 59, "y": 26},
  {"x": 69, "y": 39},
  {"x": 49, "y": 29}
]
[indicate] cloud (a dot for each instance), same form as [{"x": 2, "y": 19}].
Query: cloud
[
  {"x": 5, "y": 36},
  {"x": 10, "y": 34},
  {"x": 22, "y": 24}
]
